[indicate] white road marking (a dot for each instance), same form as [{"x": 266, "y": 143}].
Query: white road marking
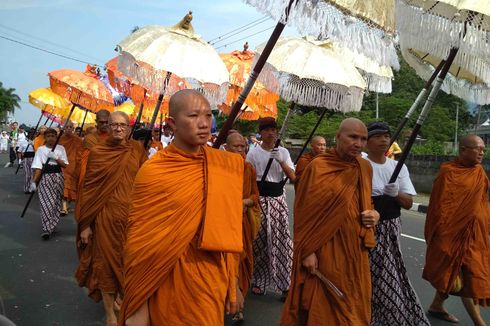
[{"x": 412, "y": 237}]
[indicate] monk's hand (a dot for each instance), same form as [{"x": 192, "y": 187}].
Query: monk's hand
[
  {"x": 370, "y": 218},
  {"x": 311, "y": 263},
  {"x": 230, "y": 307},
  {"x": 85, "y": 235}
]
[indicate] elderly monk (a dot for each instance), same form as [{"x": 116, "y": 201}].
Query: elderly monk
[
  {"x": 318, "y": 146},
  {"x": 457, "y": 230},
  {"x": 105, "y": 196},
  {"x": 333, "y": 230},
  {"x": 103, "y": 130},
  {"x": 72, "y": 144},
  {"x": 236, "y": 143},
  {"x": 184, "y": 227}
]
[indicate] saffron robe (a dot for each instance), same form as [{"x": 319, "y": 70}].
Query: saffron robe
[
  {"x": 327, "y": 221},
  {"x": 72, "y": 144},
  {"x": 457, "y": 232}
]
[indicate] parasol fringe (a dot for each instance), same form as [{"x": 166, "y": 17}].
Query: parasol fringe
[
  {"x": 155, "y": 80},
  {"x": 474, "y": 93},
  {"x": 338, "y": 98},
  {"x": 377, "y": 83},
  {"x": 441, "y": 34},
  {"x": 326, "y": 21}
]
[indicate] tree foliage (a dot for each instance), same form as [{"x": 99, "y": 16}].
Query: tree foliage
[{"x": 9, "y": 101}]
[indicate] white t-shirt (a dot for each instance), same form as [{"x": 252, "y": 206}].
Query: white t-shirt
[
  {"x": 166, "y": 140},
  {"x": 382, "y": 174},
  {"x": 41, "y": 156},
  {"x": 26, "y": 144},
  {"x": 259, "y": 157}
]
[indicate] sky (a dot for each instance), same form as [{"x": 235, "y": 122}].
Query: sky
[{"x": 89, "y": 30}]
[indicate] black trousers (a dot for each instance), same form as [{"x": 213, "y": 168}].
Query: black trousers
[{"x": 13, "y": 154}]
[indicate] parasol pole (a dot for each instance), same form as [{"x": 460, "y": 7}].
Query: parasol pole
[
  {"x": 242, "y": 111},
  {"x": 51, "y": 123},
  {"x": 424, "y": 113},
  {"x": 157, "y": 108},
  {"x": 416, "y": 103},
  {"x": 161, "y": 127},
  {"x": 83, "y": 123},
  {"x": 278, "y": 140},
  {"x": 137, "y": 121},
  {"x": 252, "y": 78},
  {"x": 47, "y": 161}
]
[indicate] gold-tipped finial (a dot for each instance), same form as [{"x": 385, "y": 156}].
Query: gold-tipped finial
[
  {"x": 185, "y": 23},
  {"x": 245, "y": 47}
]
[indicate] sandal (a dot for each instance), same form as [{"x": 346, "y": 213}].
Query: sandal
[
  {"x": 63, "y": 212},
  {"x": 444, "y": 315}
]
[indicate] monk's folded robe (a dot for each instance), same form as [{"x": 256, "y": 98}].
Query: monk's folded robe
[
  {"x": 72, "y": 144},
  {"x": 457, "y": 229},
  {"x": 184, "y": 228},
  {"x": 303, "y": 162},
  {"x": 104, "y": 206},
  {"x": 251, "y": 225},
  {"x": 327, "y": 221}
]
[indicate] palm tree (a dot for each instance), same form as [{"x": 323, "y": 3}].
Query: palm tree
[{"x": 8, "y": 101}]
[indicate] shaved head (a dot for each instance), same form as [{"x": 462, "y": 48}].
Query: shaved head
[
  {"x": 184, "y": 98},
  {"x": 318, "y": 145},
  {"x": 102, "y": 114},
  {"x": 190, "y": 118},
  {"x": 118, "y": 114},
  {"x": 102, "y": 120},
  {"x": 236, "y": 143},
  {"x": 69, "y": 128},
  {"x": 471, "y": 150},
  {"x": 351, "y": 138}
]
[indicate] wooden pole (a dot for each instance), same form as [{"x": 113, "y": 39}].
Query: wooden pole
[
  {"x": 157, "y": 108},
  {"x": 83, "y": 123},
  {"x": 137, "y": 121}
]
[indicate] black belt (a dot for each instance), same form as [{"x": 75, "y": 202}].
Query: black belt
[
  {"x": 387, "y": 207},
  {"x": 51, "y": 168},
  {"x": 28, "y": 154},
  {"x": 270, "y": 189}
]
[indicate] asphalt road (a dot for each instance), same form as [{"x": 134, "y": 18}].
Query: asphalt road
[{"x": 37, "y": 286}]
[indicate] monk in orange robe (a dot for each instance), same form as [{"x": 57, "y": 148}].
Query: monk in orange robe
[
  {"x": 155, "y": 141},
  {"x": 184, "y": 226},
  {"x": 236, "y": 143},
  {"x": 72, "y": 144},
  {"x": 457, "y": 232},
  {"x": 333, "y": 230},
  {"x": 39, "y": 140},
  {"x": 105, "y": 198},
  {"x": 318, "y": 146}
]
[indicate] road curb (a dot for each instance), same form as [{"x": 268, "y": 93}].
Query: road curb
[{"x": 417, "y": 207}]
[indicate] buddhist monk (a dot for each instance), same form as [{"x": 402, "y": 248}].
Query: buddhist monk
[
  {"x": 457, "y": 230},
  {"x": 104, "y": 200},
  {"x": 318, "y": 146},
  {"x": 184, "y": 226},
  {"x": 333, "y": 230},
  {"x": 72, "y": 144},
  {"x": 155, "y": 140},
  {"x": 39, "y": 140},
  {"x": 103, "y": 129},
  {"x": 236, "y": 143}
]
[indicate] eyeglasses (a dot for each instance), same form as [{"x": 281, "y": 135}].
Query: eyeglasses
[{"x": 119, "y": 125}]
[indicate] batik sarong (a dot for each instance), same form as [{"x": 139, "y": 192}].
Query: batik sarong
[
  {"x": 50, "y": 191},
  {"x": 394, "y": 301},
  {"x": 273, "y": 247},
  {"x": 27, "y": 162}
]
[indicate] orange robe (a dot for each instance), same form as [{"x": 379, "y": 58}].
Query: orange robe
[
  {"x": 104, "y": 202},
  {"x": 457, "y": 232},
  {"x": 156, "y": 144},
  {"x": 72, "y": 144},
  {"x": 38, "y": 142},
  {"x": 327, "y": 221},
  {"x": 177, "y": 213},
  {"x": 251, "y": 225},
  {"x": 303, "y": 162}
]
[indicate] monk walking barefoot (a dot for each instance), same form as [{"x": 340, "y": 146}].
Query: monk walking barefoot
[
  {"x": 457, "y": 232},
  {"x": 184, "y": 226},
  {"x": 333, "y": 229},
  {"x": 104, "y": 203}
]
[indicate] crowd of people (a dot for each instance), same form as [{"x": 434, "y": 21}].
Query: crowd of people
[{"x": 179, "y": 233}]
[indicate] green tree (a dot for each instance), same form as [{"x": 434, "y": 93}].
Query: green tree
[{"x": 9, "y": 101}]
